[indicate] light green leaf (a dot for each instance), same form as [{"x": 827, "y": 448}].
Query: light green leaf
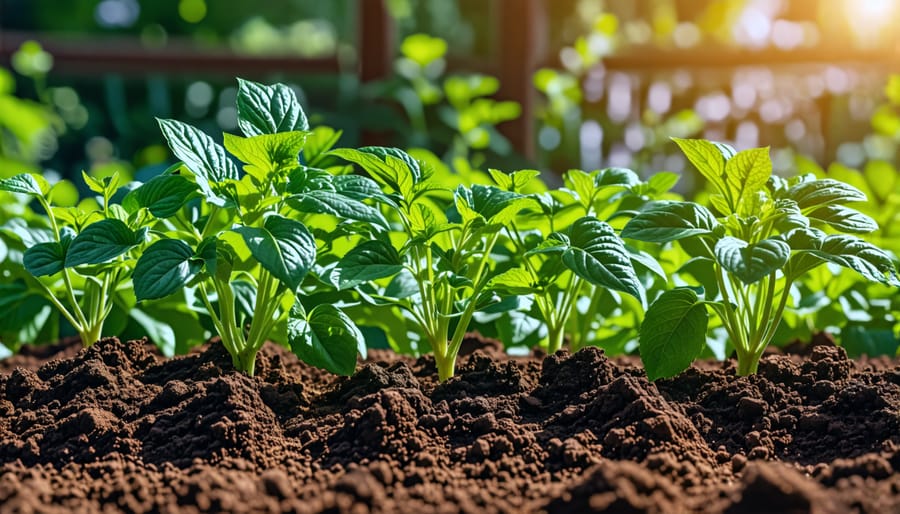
[
  {"x": 26, "y": 183},
  {"x": 493, "y": 204},
  {"x": 327, "y": 338},
  {"x": 517, "y": 281},
  {"x": 400, "y": 174},
  {"x": 369, "y": 261},
  {"x": 283, "y": 246},
  {"x": 663, "y": 222},
  {"x": 863, "y": 257},
  {"x": 266, "y": 153},
  {"x": 707, "y": 158},
  {"x": 673, "y": 333},
  {"x": 751, "y": 262},
  {"x": 268, "y": 109},
  {"x": 164, "y": 268},
  {"x": 746, "y": 173},
  {"x": 103, "y": 241}
]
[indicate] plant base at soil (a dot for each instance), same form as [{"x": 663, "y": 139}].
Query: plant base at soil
[{"x": 118, "y": 428}]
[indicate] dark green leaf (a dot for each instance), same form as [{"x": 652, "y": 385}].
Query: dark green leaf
[
  {"x": 268, "y": 109},
  {"x": 673, "y": 333},
  {"x": 597, "y": 255},
  {"x": 863, "y": 257},
  {"x": 369, "y": 261},
  {"x": 165, "y": 267},
  {"x": 327, "y": 338},
  {"x": 328, "y": 202},
  {"x": 284, "y": 247},
  {"x": 205, "y": 158},
  {"x": 162, "y": 195},
  {"x": 751, "y": 262},
  {"x": 48, "y": 258},
  {"x": 818, "y": 193},
  {"x": 669, "y": 221},
  {"x": 103, "y": 241},
  {"x": 844, "y": 219}
]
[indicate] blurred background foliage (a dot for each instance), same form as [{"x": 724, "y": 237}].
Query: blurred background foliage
[{"x": 612, "y": 80}]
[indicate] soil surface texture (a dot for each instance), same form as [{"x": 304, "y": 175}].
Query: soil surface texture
[{"x": 118, "y": 428}]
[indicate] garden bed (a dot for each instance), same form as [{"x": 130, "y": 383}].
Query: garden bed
[{"x": 117, "y": 427}]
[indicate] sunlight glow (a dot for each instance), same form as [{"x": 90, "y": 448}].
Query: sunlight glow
[{"x": 869, "y": 18}]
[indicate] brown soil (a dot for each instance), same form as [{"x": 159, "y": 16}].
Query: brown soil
[{"x": 118, "y": 428}]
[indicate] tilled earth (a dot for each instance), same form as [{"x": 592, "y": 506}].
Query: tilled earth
[{"x": 118, "y": 428}]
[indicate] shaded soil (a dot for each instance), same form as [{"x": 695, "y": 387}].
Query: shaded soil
[{"x": 118, "y": 428}]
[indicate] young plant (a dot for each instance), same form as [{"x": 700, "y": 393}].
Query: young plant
[
  {"x": 439, "y": 262},
  {"x": 80, "y": 259},
  {"x": 245, "y": 247},
  {"x": 568, "y": 254},
  {"x": 769, "y": 233}
]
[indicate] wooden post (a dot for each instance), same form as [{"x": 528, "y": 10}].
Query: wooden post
[
  {"x": 376, "y": 49},
  {"x": 522, "y": 32}
]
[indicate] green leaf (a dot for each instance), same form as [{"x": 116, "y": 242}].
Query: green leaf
[
  {"x": 663, "y": 181},
  {"x": 327, "y": 338},
  {"x": 268, "y": 109},
  {"x": 746, "y": 173},
  {"x": 320, "y": 141},
  {"x": 751, "y": 262},
  {"x": 384, "y": 152},
  {"x": 335, "y": 204},
  {"x": 165, "y": 267},
  {"x": 48, "y": 258},
  {"x": 385, "y": 168},
  {"x": 673, "y": 333},
  {"x": 162, "y": 195},
  {"x": 493, "y": 204},
  {"x": 103, "y": 241},
  {"x": 863, "y": 257},
  {"x": 283, "y": 246},
  {"x": 818, "y": 193},
  {"x": 611, "y": 177},
  {"x": 669, "y": 221},
  {"x": 844, "y": 219},
  {"x": 205, "y": 158},
  {"x": 597, "y": 255},
  {"x": 369, "y": 261},
  {"x": 707, "y": 158},
  {"x": 26, "y": 183},
  {"x": 517, "y": 281},
  {"x": 266, "y": 153}
]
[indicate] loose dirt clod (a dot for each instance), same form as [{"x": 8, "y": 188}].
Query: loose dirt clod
[{"x": 115, "y": 427}]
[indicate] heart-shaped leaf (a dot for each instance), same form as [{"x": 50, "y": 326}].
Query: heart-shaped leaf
[
  {"x": 326, "y": 338},
  {"x": 673, "y": 333},
  {"x": 751, "y": 262},
  {"x": 165, "y": 267},
  {"x": 282, "y": 246}
]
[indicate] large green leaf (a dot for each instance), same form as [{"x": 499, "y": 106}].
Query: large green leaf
[
  {"x": 597, "y": 255},
  {"x": 383, "y": 152},
  {"x": 266, "y": 153},
  {"x": 102, "y": 242},
  {"x": 369, "y": 261},
  {"x": 861, "y": 256},
  {"x": 844, "y": 219},
  {"x": 746, "y": 173},
  {"x": 673, "y": 333},
  {"x": 205, "y": 158},
  {"x": 162, "y": 195},
  {"x": 282, "y": 246},
  {"x": 669, "y": 221},
  {"x": 48, "y": 258},
  {"x": 326, "y": 338},
  {"x": 330, "y": 202},
  {"x": 164, "y": 268},
  {"x": 26, "y": 183},
  {"x": 517, "y": 281},
  {"x": 268, "y": 109},
  {"x": 400, "y": 174},
  {"x": 751, "y": 262},
  {"x": 708, "y": 158},
  {"x": 818, "y": 193}
]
